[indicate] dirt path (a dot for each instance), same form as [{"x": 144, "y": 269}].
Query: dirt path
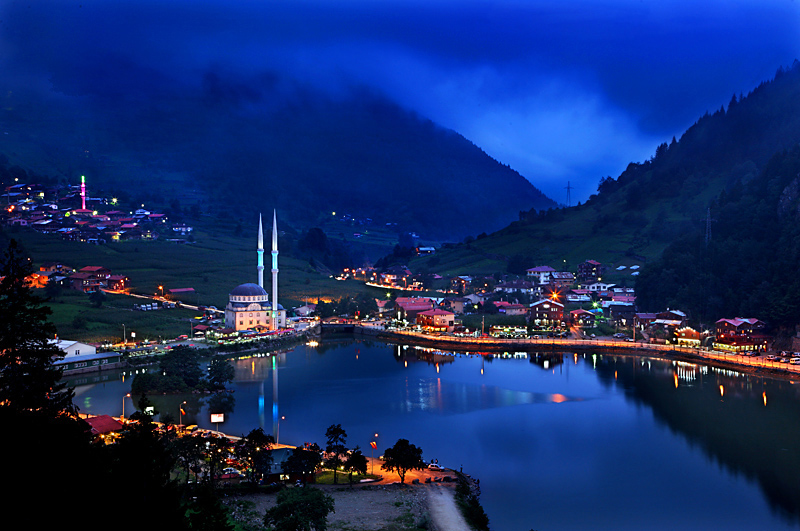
[{"x": 443, "y": 510}]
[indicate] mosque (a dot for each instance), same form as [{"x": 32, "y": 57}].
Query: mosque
[{"x": 248, "y": 304}]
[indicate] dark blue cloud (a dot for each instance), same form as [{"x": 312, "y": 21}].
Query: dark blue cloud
[{"x": 572, "y": 91}]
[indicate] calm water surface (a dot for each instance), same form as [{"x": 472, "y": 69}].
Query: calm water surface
[{"x": 559, "y": 441}]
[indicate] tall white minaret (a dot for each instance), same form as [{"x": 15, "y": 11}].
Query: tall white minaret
[
  {"x": 275, "y": 312},
  {"x": 260, "y": 253}
]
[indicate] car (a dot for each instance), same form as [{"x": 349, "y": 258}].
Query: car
[
  {"x": 795, "y": 361},
  {"x": 435, "y": 466}
]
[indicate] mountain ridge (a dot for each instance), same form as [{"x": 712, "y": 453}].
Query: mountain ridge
[{"x": 266, "y": 143}]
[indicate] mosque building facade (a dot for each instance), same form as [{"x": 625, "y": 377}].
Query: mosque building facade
[{"x": 249, "y": 307}]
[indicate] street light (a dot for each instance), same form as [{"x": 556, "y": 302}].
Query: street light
[
  {"x": 373, "y": 445},
  {"x": 278, "y": 434},
  {"x": 180, "y": 409},
  {"x": 123, "y": 405}
]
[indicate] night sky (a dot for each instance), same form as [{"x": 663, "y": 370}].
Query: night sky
[{"x": 560, "y": 91}]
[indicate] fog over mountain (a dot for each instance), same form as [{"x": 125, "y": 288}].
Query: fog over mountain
[{"x": 559, "y": 92}]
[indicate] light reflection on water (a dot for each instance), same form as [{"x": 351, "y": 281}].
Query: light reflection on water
[{"x": 559, "y": 441}]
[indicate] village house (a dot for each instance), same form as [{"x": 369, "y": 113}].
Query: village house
[
  {"x": 562, "y": 279},
  {"x": 582, "y": 318},
  {"x": 578, "y": 295},
  {"x": 540, "y": 273},
  {"x": 621, "y": 314},
  {"x": 436, "y": 320},
  {"x": 513, "y": 309},
  {"x": 687, "y": 337},
  {"x": 457, "y": 305},
  {"x": 476, "y": 298},
  {"x": 305, "y": 310},
  {"x": 643, "y": 320},
  {"x": 590, "y": 271},
  {"x": 117, "y": 282},
  {"x": 460, "y": 284},
  {"x": 595, "y": 287},
  {"x": 516, "y": 286},
  {"x": 407, "y": 308},
  {"x": 740, "y": 333},
  {"x": 547, "y": 314},
  {"x": 96, "y": 272}
]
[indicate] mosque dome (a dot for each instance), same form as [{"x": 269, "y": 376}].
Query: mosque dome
[{"x": 248, "y": 290}]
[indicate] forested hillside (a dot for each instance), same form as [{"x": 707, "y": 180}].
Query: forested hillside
[
  {"x": 747, "y": 264},
  {"x": 732, "y": 177}
]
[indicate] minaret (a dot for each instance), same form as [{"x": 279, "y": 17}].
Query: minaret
[
  {"x": 83, "y": 192},
  {"x": 260, "y": 253},
  {"x": 275, "y": 312}
]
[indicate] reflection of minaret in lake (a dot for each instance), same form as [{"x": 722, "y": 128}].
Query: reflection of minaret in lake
[
  {"x": 275, "y": 421},
  {"x": 260, "y": 253},
  {"x": 275, "y": 309}
]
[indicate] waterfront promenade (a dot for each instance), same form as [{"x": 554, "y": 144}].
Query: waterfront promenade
[{"x": 492, "y": 344}]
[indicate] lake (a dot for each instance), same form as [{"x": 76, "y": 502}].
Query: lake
[{"x": 559, "y": 441}]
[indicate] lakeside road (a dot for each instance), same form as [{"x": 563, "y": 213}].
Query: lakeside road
[{"x": 482, "y": 344}]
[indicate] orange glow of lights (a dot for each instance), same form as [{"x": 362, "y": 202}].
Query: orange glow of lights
[
  {"x": 558, "y": 398},
  {"x": 406, "y": 363},
  {"x": 615, "y": 375},
  {"x": 764, "y": 394},
  {"x": 437, "y": 368},
  {"x": 676, "y": 380},
  {"x": 252, "y": 367},
  {"x": 721, "y": 390}
]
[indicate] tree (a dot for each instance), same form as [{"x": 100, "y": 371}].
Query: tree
[
  {"x": 355, "y": 462},
  {"x": 255, "y": 449},
  {"x": 402, "y": 457},
  {"x": 97, "y": 298},
  {"x": 28, "y": 379},
  {"x": 207, "y": 512},
  {"x": 302, "y": 462},
  {"x": 182, "y": 362},
  {"x": 188, "y": 453},
  {"x": 220, "y": 372},
  {"x": 140, "y": 468},
  {"x": 217, "y": 451},
  {"x": 300, "y": 510},
  {"x": 337, "y": 438}
]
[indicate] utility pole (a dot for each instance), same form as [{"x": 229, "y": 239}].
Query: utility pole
[{"x": 569, "y": 195}]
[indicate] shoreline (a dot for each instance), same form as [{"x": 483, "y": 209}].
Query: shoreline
[{"x": 757, "y": 366}]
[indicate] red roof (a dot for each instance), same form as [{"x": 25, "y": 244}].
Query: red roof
[
  {"x": 431, "y": 313},
  {"x": 103, "y": 424}
]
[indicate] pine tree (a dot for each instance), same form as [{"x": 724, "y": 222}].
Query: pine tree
[{"x": 28, "y": 379}]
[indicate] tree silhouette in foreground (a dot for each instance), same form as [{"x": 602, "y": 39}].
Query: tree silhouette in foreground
[
  {"x": 28, "y": 379},
  {"x": 337, "y": 438},
  {"x": 402, "y": 457},
  {"x": 301, "y": 462},
  {"x": 300, "y": 509},
  {"x": 355, "y": 462}
]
